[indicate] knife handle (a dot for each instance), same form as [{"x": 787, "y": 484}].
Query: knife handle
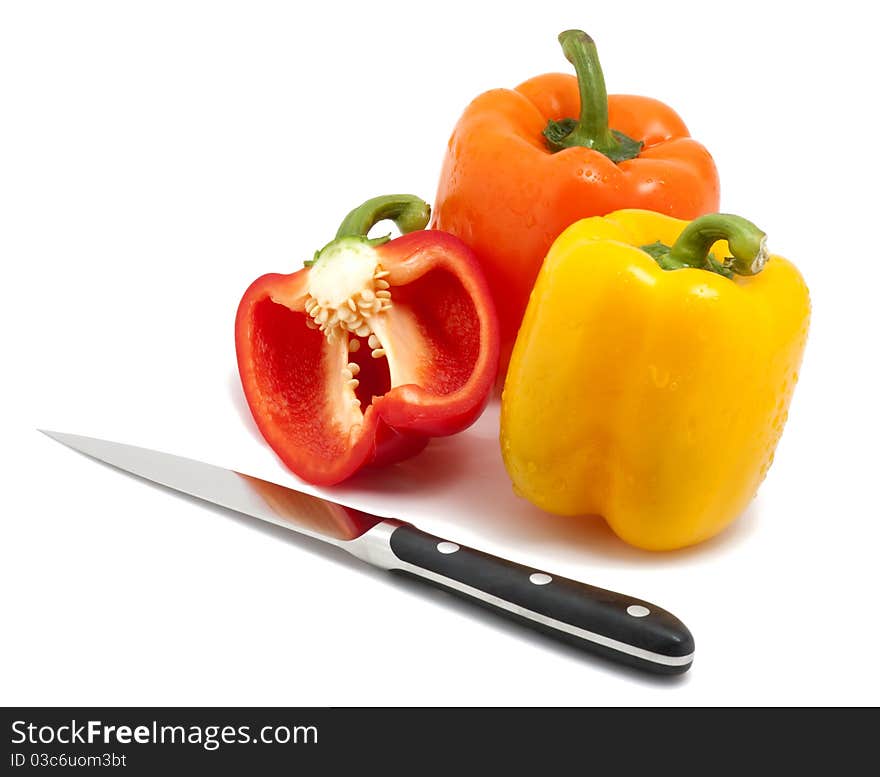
[{"x": 622, "y": 628}]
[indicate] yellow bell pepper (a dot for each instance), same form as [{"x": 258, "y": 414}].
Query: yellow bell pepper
[{"x": 651, "y": 379}]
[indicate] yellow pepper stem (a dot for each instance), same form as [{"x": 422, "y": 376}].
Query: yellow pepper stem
[{"x": 747, "y": 243}]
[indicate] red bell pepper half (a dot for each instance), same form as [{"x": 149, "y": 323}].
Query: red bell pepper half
[{"x": 374, "y": 347}]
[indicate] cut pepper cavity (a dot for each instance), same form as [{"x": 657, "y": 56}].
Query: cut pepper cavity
[{"x": 373, "y": 348}]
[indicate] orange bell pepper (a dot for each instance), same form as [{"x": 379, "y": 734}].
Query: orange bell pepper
[{"x": 518, "y": 171}]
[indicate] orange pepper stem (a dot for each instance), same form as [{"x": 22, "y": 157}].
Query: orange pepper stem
[
  {"x": 591, "y": 130},
  {"x": 747, "y": 243}
]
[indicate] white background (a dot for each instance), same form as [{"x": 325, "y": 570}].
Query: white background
[{"x": 156, "y": 157}]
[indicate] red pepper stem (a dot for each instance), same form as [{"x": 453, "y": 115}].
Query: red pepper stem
[
  {"x": 407, "y": 211},
  {"x": 747, "y": 244}
]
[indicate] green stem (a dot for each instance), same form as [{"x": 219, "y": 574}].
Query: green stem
[
  {"x": 747, "y": 243},
  {"x": 407, "y": 211},
  {"x": 591, "y": 130}
]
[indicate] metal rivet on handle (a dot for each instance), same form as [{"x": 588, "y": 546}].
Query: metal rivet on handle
[
  {"x": 447, "y": 547},
  {"x": 637, "y": 611},
  {"x": 539, "y": 578}
]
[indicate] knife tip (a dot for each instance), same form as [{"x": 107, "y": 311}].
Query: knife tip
[{"x": 57, "y": 436}]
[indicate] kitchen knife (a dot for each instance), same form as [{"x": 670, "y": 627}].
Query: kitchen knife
[{"x": 622, "y": 628}]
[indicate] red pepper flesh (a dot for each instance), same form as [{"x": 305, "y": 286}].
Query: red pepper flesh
[{"x": 425, "y": 359}]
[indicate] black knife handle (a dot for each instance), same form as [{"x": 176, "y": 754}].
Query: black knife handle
[{"x": 619, "y": 627}]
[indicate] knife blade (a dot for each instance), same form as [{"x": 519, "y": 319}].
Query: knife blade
[{"x": 621, "y": 628}]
